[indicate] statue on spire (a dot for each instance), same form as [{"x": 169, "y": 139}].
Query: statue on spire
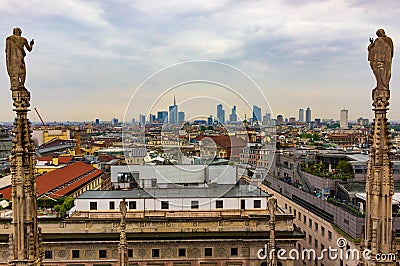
[
  {"x": 15, "y": 54},
  {"x": 380, "y": 54}
]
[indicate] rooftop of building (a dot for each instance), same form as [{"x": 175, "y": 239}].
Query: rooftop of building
[
  {"x": 224, "y": 191},
  {"x": 62, "y": 181}
]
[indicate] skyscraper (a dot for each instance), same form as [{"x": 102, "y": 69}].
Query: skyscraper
[
  {"x": 233, "y": 115},
  {"x": 162, "y": 116},
  {"x": 173, "y": 113},
  {"x": 308, "y": 115},
  {"x": 279, "y": 119},
  {"x": 210, "y": 120},
  {"x": 142, "y": 119},
  {"x": 301, "y": 115},
  {"x": 220, "y": 114},
  {"x": 267, "y": 119},
  {"x": 152, "y": 118},
  {"x": 344, "y": 116},
  {"x": 256, "y": 114},
  {"x": 181, "y": 117}
]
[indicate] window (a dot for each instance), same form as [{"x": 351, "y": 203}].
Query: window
[
  {"x": 316, "y": 226},
  {"x": 194, "y": 204},
  {"x": 299, "y": 216},
  {"x": 155, "y": 253},
  {"x": 93, "y": 205},
  {"x": 130, "y": 253},
  {"x": 309, "y": 223},
  {"x": 257, "y": 203},
  {"x": 234, "y": 251},
  {"x": 48, "y": 254},
  {"x": 242, "y": 204},
  {"x": 329, "y": 235},
  {"x": 112, "y": 205},
  {"x": 315, "y": 243},
  {"x": 294, "y": 212},
  {"x": 153, "y": 182},
  {"x": 310, "y": 239},
  {"x": 322, "y": 231},
  {"x": 208, "y": 252},
  {"x": 102, "y": 253},
  {"x": 322, "y": 246},
  {"x": 182, "y": 252},
  {"x": 304, "y": 219},
  {"x": 290, "y": 209},
  {"x": 164, "y": 205},
  {"x": 219, "y": 204},
  {"x": 75, "y": 254},
  {"x": 285, "y": 206},
  {"x": 132, "y": 205}
]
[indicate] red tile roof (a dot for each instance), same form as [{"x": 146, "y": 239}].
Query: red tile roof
[
  {"x": 6, "y": 192},
  {"x": 64, "y": 159},
  {"x": 68, "y": 190},
  {"x": 44, "y": 159},
  {"x": 57, "y": 178},
  {"x": 232, "y": 144}
]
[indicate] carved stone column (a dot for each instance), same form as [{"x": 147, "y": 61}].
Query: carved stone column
[
  {"x": 24, "y": 243},
  {"x": 380, "y": 183},
  {"x": 123, "y": 246}
]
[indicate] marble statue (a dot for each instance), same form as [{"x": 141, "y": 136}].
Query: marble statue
[{"x": 15, "y": 54}]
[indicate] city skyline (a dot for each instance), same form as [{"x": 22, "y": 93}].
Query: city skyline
[{"x": 87, "y": 67}]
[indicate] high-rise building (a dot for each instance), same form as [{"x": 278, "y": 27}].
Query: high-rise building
[
  {"x": 181, "y": 117},
  {"x": 162, "y": 116},
  {"x": 363, "y": 121},
  {"x": 210, "y": 120},
  {"x": 233, "y": 115},
  {"x": 308, "y": 115},
  {"x": 97, "y": 122},
  {"x": 279, "y": 119},
  {"x": 256, "y": 114},
  {"x": 301, "y": 115},
  {"x": 344, "y": 119},
  {"x": 152, "y": 118},
  {"x": 114, "y": 121},
  {"x": 142, "y": 119},
  {"x": 173, "y": 113},
  {"x": 220, "y": 114},
  {"x": 267, "y": 119}
]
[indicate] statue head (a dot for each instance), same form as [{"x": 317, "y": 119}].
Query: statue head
[
  {"x": 17, "y": 31},
  {"x": 380, "y": 33}
]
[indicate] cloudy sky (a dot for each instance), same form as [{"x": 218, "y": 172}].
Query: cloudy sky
[{"x": 97, "y": 59}]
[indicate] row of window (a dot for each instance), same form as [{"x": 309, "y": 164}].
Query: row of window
[
  {"x": 155, "y": 253},
  {"x": 219, "y": 204},
  {"x": 317, "y": 228}
]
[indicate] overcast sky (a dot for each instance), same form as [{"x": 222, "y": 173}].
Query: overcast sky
[{"x": 91, "y": 56}]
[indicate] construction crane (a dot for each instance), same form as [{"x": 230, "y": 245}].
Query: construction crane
[{"x": 41, "y": 119}]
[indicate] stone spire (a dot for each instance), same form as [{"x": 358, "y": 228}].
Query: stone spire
[
  {"x": 272, "y": 207},
  {"x": 24, "y": 241},
  {"x": 380, "y": 183},
  {"x": 123, "y": 246}
]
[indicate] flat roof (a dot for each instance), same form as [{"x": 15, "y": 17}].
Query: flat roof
[{"x": 220, "y": 191}]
